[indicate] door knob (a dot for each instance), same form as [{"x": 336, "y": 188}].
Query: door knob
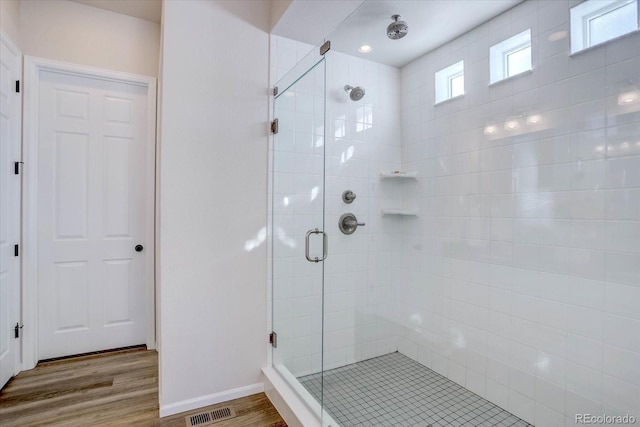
[
  {"x": 348, "y": 223},
  {"x": 139, "y": 248}
]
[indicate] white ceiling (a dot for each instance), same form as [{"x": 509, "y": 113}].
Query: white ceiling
[
  {"x": 150, "y": 10},
  {"x": 431, "y": 24},
  {"x": 310, "y": 21}
]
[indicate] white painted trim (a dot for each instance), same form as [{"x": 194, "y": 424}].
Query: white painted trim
[
  {"x": 60, "y": 67},
  {"x": 210, "y": 399},
  {"x": 10, "y": 44},
  {"x": 30, "y": 216},
  {"x": 32, "y": 68},
  {"x": 6, "y": 40},
  {"x": 150, "y": 226}
]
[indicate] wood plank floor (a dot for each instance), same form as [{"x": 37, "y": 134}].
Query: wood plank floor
[{"x": 113, "y": 389}]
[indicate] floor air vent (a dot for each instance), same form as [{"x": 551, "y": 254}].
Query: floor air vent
[{"x": 210, "y": 417}]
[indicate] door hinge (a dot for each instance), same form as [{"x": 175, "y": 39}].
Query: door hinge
[
  {"x": 325, "y": 47},
  {"x": 273, "y": 339},
  {"x": 275, "y": 90},
  {"x": 16, "y": 330},
  {"x": 16, "y": 167},
  {"x": 16, "y": 250},
  {"x": 274, "y": 126},
  {"x": 17, "y": 86}
]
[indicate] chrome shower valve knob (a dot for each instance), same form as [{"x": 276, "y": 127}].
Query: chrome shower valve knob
[
  {"x": 348, "y": 196},
  {"x": 348, "y": 223}
]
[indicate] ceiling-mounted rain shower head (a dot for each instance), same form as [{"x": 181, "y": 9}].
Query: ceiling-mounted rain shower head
[
  {"x": 397, "y": 29},
  {"x": 355, "y": 93}
]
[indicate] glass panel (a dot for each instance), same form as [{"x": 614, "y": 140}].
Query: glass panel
[
  {"x": 457, "y": 86},
  {"x": 519, "y": 61},
  {"x": 362, "y": 141},
  {"x": 297, "y": 207},
  {"x": 612, "y": 24}
]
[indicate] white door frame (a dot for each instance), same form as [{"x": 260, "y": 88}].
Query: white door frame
[
  {"x": 6, "y": 40},
  {"x": 32, "y": 68}
]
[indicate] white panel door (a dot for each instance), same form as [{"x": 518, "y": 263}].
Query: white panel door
[
  {"x": 10, "y": 121},
  {"x": 92, "y": 193}
]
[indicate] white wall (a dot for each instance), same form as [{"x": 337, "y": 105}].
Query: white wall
[
  {"x": 278, "y": 8},
  {"x": 10, "y": 19},
  {"x": 213, "y": 187},
  {"x": 522, "y": 279},
  {"x": 67, "y": 31},
  {"x": 311, "y": 20}
]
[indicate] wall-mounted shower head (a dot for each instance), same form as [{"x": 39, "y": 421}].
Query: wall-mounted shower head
[
  {"x": 355, "y": 93},
  {"x": 397, "y": 29}
]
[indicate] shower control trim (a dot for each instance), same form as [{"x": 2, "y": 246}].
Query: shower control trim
[
  {"x": 324, "y": 245},
  {"x": 348, "y": 223},
  {"x": 348, "y": 196}
]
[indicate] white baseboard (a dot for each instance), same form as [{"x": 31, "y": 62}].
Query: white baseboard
[{"x": 210, "y": 399}]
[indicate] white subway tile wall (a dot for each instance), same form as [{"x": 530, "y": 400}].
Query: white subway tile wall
[
  {"x": 520, "y": 278},
  {"x": 534, "y": 257}
]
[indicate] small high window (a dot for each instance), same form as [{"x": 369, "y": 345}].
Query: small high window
[
  {"x": 450, "y": 82},
  {"x": 510, "y": 57},
  {"x": 597, "y": 21}
]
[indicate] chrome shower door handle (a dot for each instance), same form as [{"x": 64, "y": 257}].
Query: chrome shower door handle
[
  {"x": 306, "y": 245},
  {"x": 325, "y": 245}
]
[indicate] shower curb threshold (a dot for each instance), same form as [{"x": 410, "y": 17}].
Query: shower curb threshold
[{"x": 292, "y": 409}]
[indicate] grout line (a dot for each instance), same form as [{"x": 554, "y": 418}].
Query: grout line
[{"x": 396, "y": 388}]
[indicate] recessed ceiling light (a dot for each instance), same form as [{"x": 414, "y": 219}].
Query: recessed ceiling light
[
  {"x": 559, "y": 35},
  {"x": 365, "y": 48}
]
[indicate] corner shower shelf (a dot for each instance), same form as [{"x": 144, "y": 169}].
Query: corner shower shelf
[
  {"x": 400, "y": 212},
  {"x": 399, "y": 175}
]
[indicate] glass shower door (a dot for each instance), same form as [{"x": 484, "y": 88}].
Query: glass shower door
[{"x": 297, "y": 223}]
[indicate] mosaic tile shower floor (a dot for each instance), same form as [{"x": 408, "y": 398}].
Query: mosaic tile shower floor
[{"x": 394, "y": 390}]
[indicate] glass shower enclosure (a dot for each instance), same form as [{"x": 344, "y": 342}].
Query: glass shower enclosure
[
  {"x": 332, "y": 253},
  {"x": 299, "y": 243}
]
